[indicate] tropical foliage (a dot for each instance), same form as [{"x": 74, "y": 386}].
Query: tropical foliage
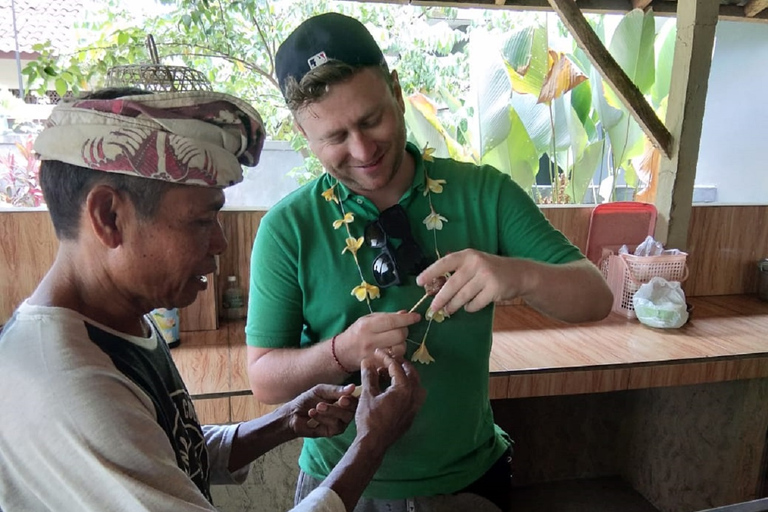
[{"x": 495, "y": 87}]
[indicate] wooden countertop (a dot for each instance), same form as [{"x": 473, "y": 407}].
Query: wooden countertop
[{"x": 726, "y": 339}]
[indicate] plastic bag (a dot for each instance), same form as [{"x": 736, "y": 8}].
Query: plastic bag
[{"x": 661, "y": 303}]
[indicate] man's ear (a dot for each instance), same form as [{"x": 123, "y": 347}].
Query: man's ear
[
  {"x": 104, "y": 211},
  {"x": 397, "y": 90}
]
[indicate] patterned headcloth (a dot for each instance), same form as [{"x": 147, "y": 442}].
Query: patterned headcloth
[{"x": 190, "y": 138}]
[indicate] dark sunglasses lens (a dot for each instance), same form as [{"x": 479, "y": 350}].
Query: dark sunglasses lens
[
  {"x": 375, "y": 236},
  {"x": 385, "y": 271},
  {"x": 411, "y": 258},
  {"x": 395, "y": 222}
]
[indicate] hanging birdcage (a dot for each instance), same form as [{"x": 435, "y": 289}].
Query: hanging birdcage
[{"x": 157, "y": 77}]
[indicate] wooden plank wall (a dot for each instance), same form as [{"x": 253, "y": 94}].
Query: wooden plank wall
[{"x": 725, "y": 243}]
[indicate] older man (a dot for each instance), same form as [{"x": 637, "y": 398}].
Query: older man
[
  {"x": 351, "y": 250},
  {"x": 93, "y": 413}
]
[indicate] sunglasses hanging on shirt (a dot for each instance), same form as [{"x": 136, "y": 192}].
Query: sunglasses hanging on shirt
[{"x": 392, "y": 263}]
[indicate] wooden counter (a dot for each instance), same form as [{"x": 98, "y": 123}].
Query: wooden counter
[{"x": 726, "y": 339}]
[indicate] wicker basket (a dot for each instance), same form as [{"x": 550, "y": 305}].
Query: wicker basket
[
  {"x": 157, "y": 77},
  {"x": 625, "y": 274}
]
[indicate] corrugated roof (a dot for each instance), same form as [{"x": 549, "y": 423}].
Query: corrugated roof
[{"x": 38, "y": 21}]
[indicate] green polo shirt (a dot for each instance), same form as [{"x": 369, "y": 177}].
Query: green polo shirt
[{"x": 300, "y": 294}]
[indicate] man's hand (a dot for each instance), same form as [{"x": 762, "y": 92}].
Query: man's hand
[
  {"x": 323, "y": 411},
  {"x": 371, "y": 332},
  {"x": 571, "y": 292},
  {"x": 385, "y": 415},
  {"x": 477, "y": 279}
]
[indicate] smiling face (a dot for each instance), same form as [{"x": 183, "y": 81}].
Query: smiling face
[
  {"x": 357, "y": 131},
  {"x": 167, "y": 256}
]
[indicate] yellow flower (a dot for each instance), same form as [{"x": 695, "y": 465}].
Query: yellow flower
[
  {"x": 330, "y": 195},
  {"x": 348, "y": 219},
  {"x": 427, "y": 153},
  {"x": 435, "y": 186},
  {"x": 437, "y": 316},
  {"x": 353, "y": 245},
  {"x": 365, "y": 289},
  {"x": 435, "y": 221},
  {"x": 422, "y": 354}
]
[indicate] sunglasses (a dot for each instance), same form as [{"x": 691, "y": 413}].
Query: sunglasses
[{"x": 391, "y": 264}]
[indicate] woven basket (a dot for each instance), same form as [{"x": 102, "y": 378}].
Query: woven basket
[
  {"x": 157, "y": 77},
  {"x": 625, "y": 274}
]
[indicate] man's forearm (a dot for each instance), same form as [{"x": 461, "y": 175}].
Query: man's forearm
[
  {"x": 282, "y": 374},
  {"x": 572, "y": 292},
  {"x": 256, "y": 437},
  {"x": 355, "y": 470}
]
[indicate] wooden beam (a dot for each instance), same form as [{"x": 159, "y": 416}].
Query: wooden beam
[
  {"x": 755, "y": 7},
  {"x": 640, "y": 4},
  {"x": 728, "y": 12},
  {"x": 696, "y": 22},
  {"x": 612, "y": 73}
]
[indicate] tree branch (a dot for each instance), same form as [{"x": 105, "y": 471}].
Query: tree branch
[{"x": 266, "y": 45}]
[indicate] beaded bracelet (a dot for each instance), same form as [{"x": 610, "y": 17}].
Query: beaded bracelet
[{"x": 335, "y": 358}]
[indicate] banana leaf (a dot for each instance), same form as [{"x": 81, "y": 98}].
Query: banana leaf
[
  {"x": 425, "y": 128},
  {"x": 632, "y": 47},
  {"x": 490, "y": 89},
  {"x": 531, "y": 80},
  {"x": 537, "y": 121},
  {"x": 665, "y": 52},
  {"x": 517, "y": 155},
  {"x": 583, "y": 170}
]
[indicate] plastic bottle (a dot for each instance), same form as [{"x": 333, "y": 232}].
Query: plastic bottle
[{"x": 233, "y": 302}]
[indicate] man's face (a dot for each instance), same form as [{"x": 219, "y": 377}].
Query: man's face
[
  {"x": 167, "y": 256},
  {"x": 357, "y": 131}
]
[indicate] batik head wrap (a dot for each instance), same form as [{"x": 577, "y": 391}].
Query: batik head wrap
[{"x": 191, "y": 138}]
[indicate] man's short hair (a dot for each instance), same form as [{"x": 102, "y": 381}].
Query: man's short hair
[
  {"x": 316, "y": 83},
  {"x": 66, "y": 186},
  {"x": 322, "y": 51}
]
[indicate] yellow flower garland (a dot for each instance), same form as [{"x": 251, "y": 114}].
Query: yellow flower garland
[{"x": 366, "y": 291}]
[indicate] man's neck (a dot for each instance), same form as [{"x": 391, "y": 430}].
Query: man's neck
[{"x": 63, "y": 286}]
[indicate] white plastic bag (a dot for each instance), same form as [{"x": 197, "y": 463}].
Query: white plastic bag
[{"x": 661, "y": 303}]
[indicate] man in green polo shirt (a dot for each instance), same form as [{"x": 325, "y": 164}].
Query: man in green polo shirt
[{"x": 338, "y": 266}]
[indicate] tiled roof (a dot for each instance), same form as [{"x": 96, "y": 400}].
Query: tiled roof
[{"x": 38, "y": 21}]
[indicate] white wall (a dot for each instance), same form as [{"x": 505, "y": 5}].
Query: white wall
[{"x": 734, "y": 139}]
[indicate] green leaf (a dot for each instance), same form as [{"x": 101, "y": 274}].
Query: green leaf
[
  {"x": 632, "y": 47},
  {"x": 517, "y": 49},
  {"x": 531, "y": 82},
  {"x": 61, "y": 87},
  {"x": 454, "y": 105},
  {"x": 123, "y": 38},
  {"x": 424, "y": 128},
  {"x": 517, "y": 155},
  {"x": 581, "y": 100},
  {"x": 665, "y": 52},
  {"x": 627, "y": 140},
  {"x": 490, "y": 89},
  {"x": 584, "y": 170},
  {"x": 50, "y": 71},
  {"x": 608, "y": 115}
]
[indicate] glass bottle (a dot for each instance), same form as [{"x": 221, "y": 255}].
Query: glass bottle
[{"x": 233, "y": 301}]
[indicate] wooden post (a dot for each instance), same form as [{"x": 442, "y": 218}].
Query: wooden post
[{"x": 696, "y": 22}]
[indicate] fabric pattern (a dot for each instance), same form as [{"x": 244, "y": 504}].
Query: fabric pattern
[{"x": 192, "y": 138}]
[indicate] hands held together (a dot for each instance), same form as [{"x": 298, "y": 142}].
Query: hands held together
[{"x": 326, "y": 410}]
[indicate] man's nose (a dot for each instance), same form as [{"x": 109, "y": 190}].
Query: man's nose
[
  {"x": 362, "y": 147},
  {"x": 219, "y": 241}
]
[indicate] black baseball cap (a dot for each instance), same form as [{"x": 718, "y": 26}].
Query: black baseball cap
[{"x": 322, "y": 38}]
